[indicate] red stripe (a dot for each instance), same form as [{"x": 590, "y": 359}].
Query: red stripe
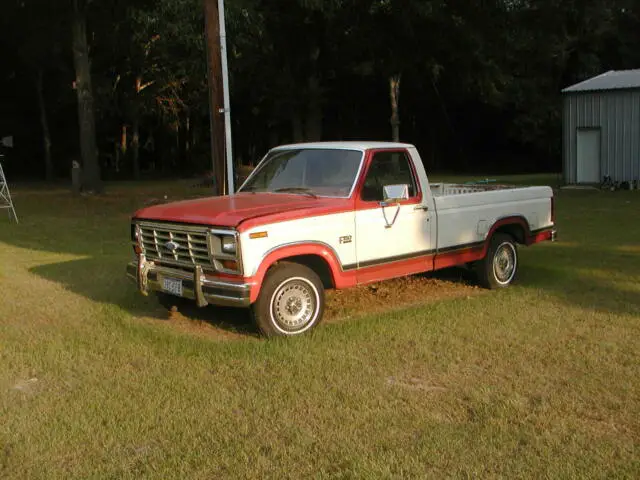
[
  {"x": 340, "y": 279},
  {"x": 397, "y": 269},
  {"x": 459, "y": 257}
]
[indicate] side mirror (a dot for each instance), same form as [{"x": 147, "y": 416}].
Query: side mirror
[{"x": 395, "y": 193}]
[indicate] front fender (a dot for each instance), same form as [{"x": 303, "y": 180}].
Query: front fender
[{"x": 339, "y": 278}]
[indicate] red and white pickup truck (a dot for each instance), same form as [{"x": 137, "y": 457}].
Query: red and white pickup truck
[{"x": 331, "y": 215}]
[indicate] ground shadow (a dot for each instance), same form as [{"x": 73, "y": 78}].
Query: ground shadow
[
  {"x": 592, "y": 278},
  {"x": 103, "y": 280},
  {"x": 557, "y": 269},
  {"x": 98, "y": 228}
]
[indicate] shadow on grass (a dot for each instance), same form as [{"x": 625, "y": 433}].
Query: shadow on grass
[
  {"x": 459, "y": 275},
  {"x": 103, "y": 280},
  {"x": 592, "y": 278},
  {"x": 588, "y": 278},
  {"x": 591, "y": 273}
]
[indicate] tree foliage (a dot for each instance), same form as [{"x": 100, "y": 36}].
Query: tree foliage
[{"x": 480, "y": 81}]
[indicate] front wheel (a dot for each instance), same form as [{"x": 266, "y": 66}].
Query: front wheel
[
  {"x": 499, "y": 267},
  {"x": 291, "y": 301}
]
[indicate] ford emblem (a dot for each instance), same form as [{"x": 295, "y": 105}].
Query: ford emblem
[{"x": 171, "y": 246}]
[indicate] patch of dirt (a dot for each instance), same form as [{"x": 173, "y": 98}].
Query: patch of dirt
[
  {"x": 29, "y": 386},
  {"x": 398, "y": 293},
  {"x": 342, "y": 305},
  {"x": 414, "y": 383}
]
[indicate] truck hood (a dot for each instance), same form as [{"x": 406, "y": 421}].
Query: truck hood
[{"x": 231, "y": 211}]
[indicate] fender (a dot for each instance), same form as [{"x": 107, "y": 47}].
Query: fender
[
  {"x": 339, "y": 278},
  {"x": 505, "y": 221},
  {"x": 458, "y": 255}
]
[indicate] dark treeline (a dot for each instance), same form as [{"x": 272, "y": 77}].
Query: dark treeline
[{"x": 479, "y": 81}]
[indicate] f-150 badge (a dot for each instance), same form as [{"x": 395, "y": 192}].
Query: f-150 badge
[{"x": 345, "y": 239}]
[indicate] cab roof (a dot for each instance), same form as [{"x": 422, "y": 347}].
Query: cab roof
[{"x": 346, "y": 145}]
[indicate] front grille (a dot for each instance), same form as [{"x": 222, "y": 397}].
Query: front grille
[{"x": 181, "y": 244}]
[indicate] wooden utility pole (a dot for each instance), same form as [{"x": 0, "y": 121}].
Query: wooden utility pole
[{"x": 216, "y": 94}]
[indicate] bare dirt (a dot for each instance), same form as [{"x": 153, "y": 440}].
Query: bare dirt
[
  {"x": 342, "y": 305},
  {"x": 398, "y": 293}
]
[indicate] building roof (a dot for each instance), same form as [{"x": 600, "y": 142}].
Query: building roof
[
  {"x": 347, "y": 145},
  {"x": 611, "y": 80}
]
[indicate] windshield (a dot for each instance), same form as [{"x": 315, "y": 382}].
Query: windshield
[{"x": 313, "y": 171}]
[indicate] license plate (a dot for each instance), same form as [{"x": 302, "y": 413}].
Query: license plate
[{"x": 172, "y": 286}]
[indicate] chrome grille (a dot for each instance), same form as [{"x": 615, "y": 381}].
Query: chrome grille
[{"x": 181, "y": 244}]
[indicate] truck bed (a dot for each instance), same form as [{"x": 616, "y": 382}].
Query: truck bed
[{"x": 466, "y": 212}]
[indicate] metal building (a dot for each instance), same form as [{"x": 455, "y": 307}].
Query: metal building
[{"x": 601, "y": 128}]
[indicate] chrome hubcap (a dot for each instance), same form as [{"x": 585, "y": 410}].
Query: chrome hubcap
[
  {"x": 504, "y": 263},
  {"x": 294, "y": 305}
]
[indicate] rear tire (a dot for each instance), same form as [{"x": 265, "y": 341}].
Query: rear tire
[
  {"x": 499, "y": 267},
  {"x": 291, "y": 301}
]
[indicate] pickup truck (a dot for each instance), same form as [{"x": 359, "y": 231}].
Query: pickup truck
[{"x": 318, "y": 216}]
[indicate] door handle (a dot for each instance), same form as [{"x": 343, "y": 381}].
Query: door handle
[{"x": 421, "y": 207}]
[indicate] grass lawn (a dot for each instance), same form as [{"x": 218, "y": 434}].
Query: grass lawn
[{"x": 539, "y": 380}]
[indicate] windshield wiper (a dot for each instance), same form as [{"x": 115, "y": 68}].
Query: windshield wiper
[{"x": 303, "y": 190}]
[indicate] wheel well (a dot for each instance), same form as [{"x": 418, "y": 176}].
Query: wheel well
[
  {"x": 315, "y": 263},
  {"x": 516, "y": 231}
]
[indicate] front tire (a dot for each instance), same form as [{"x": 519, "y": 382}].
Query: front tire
[
  {"x": 291, "y": 301},
  {"x": 499, "y": 267}
]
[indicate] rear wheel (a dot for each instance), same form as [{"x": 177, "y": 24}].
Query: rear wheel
[
  {"x": 499, "y": 267},
  {"x": 291, "y": 301}
]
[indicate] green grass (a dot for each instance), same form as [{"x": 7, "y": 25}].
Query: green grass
[{"x": 539, "y": 380}]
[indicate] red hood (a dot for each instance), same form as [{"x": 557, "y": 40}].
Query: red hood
[{"x": 231, "y": 211}]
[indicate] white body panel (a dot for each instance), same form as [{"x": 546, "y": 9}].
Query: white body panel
[
  {"x": 409, "y": 233},
  {"x": 323, "y": 229},
  {"x": 466, "y": 218}
]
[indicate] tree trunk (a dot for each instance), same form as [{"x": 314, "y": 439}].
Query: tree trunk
[
  {"x": 123, "y": 141},
  {"x": 135, "y": 130},
  {"x": 135, "y": 147},
  {"x": 86, "y": 117},
  {"x": 44, "y": 123},
  {"x": 297, "y": 128},
  {"x": 116, "y": 154},
  {"x": 394, "y": 86},
  {"x": 313, "y": 122}
]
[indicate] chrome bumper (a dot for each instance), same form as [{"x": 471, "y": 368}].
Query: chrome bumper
[{"x": 196, "y": 286}]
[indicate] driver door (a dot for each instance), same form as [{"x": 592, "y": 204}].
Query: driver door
[{"x": 392, "y": 239}]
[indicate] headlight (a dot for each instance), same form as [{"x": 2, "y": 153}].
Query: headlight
[
  {"x": 134, "y": 233},
  {"x": 135, "y": 238},
  {"x": 229, "y": 244}
]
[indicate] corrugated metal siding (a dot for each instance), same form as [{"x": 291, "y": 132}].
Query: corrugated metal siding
[{"x": 617, "y": 114}]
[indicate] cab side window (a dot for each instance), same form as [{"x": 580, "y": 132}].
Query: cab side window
[{"x": 387, "y": 168}]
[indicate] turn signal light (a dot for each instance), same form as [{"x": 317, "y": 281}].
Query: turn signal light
[
  {"x": 229, "y": 264},
  {"x": 258, "y": 235}
]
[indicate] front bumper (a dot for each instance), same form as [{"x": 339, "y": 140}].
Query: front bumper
[{"x": 195, "y": 285}]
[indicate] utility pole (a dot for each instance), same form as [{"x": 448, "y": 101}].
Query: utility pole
[{"x": 219, "y": 110}]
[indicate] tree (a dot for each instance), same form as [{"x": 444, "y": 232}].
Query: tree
[
  {"x": 33, "y": 30},
  {"x": 86, "y": 119}
]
